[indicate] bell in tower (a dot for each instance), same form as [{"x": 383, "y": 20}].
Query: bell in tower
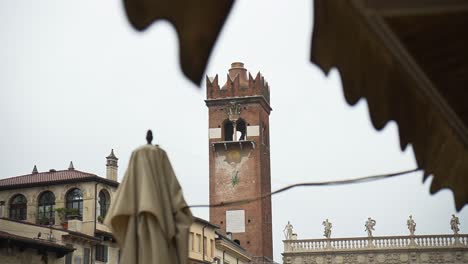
[{"x": 240, "y": 158}]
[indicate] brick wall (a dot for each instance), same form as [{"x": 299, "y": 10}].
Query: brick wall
[{"x": 248, "y": 160}]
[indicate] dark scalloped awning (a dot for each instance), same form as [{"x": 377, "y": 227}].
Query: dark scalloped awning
[
  {"x": 409, "y": 60},
  {"x": 197, "y": 23}
]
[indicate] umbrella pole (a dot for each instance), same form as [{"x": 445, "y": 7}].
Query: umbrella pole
[{"x": 149, "y": 139}]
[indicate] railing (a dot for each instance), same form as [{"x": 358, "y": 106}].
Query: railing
[{"x": 366, "y": 243}]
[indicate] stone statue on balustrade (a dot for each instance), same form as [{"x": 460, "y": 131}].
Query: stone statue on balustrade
[
  {"x": 328, "y": 227},
  {"x": 411, "y": 225},
  {"x": 454, "y": 223},
  {"x": 370, "y": 223},
  {"x": 288, "y": 231}
]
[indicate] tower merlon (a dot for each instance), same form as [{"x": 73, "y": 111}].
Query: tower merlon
[
  {"x": 238, "y": 84},
  {"x": 212, "y": 81}
]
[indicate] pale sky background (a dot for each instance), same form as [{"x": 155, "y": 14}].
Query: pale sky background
[{"x": 76, "y": 80}]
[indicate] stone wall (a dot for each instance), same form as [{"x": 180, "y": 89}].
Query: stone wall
[
  {"x": 390, "y": 257},
  {"x": 89, "y": 202},
  {"x": 86, "y": 226}
]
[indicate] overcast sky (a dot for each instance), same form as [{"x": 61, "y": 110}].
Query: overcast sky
[{"x": 76, "y": 80}]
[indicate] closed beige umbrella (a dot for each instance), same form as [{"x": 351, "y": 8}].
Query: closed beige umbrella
[{"x": 149, "y": 216}]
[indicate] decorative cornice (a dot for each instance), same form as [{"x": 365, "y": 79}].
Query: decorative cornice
[{"x": 242, "y": 100}]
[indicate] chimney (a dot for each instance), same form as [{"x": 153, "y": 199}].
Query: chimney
[{"x": 111, "y": 166}]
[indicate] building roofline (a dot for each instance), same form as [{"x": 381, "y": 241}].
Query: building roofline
[
  {"x": 199, "y": 261},
  {"x": 232, "y": 243},
  {"x": 81, "y": 235},
  {"x": 203, "y": 221},
  {"x": 225, "y": 245},
  {"x": 90, "y": 178},
  {"x": 105, "y": 234},
  {"x": 46, "y": 172}
]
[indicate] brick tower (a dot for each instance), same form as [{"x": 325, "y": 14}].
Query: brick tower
[{"x": 240, "y": 158}]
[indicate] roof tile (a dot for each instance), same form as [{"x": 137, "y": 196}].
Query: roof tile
[{"x": 50, "y": 177}]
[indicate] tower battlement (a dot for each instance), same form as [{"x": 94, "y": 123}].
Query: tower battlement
[{"x": 238, "y": 84}]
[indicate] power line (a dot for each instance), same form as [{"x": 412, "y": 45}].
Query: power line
[{"x": 308, "y": 184}]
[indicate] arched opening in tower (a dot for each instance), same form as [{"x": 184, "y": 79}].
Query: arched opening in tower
[
  {"x": 228, "y": 130},
  {"x": 241, "y": 130}
]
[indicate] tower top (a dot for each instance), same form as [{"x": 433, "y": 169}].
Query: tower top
[
  {"x": 112, "y": 156},
  {"x": 111, "y": 166},
  {"x": 238, "y": 84}
]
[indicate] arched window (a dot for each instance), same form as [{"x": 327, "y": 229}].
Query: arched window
[
  {"x": 104, "y": 202},
  {"x": 45, "y": 208},
  {"x": 74, "y": 203},
  {"x": 18, "y": 207}
]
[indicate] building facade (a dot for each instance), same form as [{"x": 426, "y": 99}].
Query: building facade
[
  {"x": 202, "y": 241},
  {"x": 411, "y": 249},
  {"x": 239, "y": 156},
  {"x": 228, "y": 251},
  {"x": 56, "y": 217},
  {"x": 61, "y": 208},
  {"x": 207, "y": 244}
]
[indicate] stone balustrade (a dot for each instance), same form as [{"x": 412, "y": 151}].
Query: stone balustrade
[{"x": 373, "y": 243}]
